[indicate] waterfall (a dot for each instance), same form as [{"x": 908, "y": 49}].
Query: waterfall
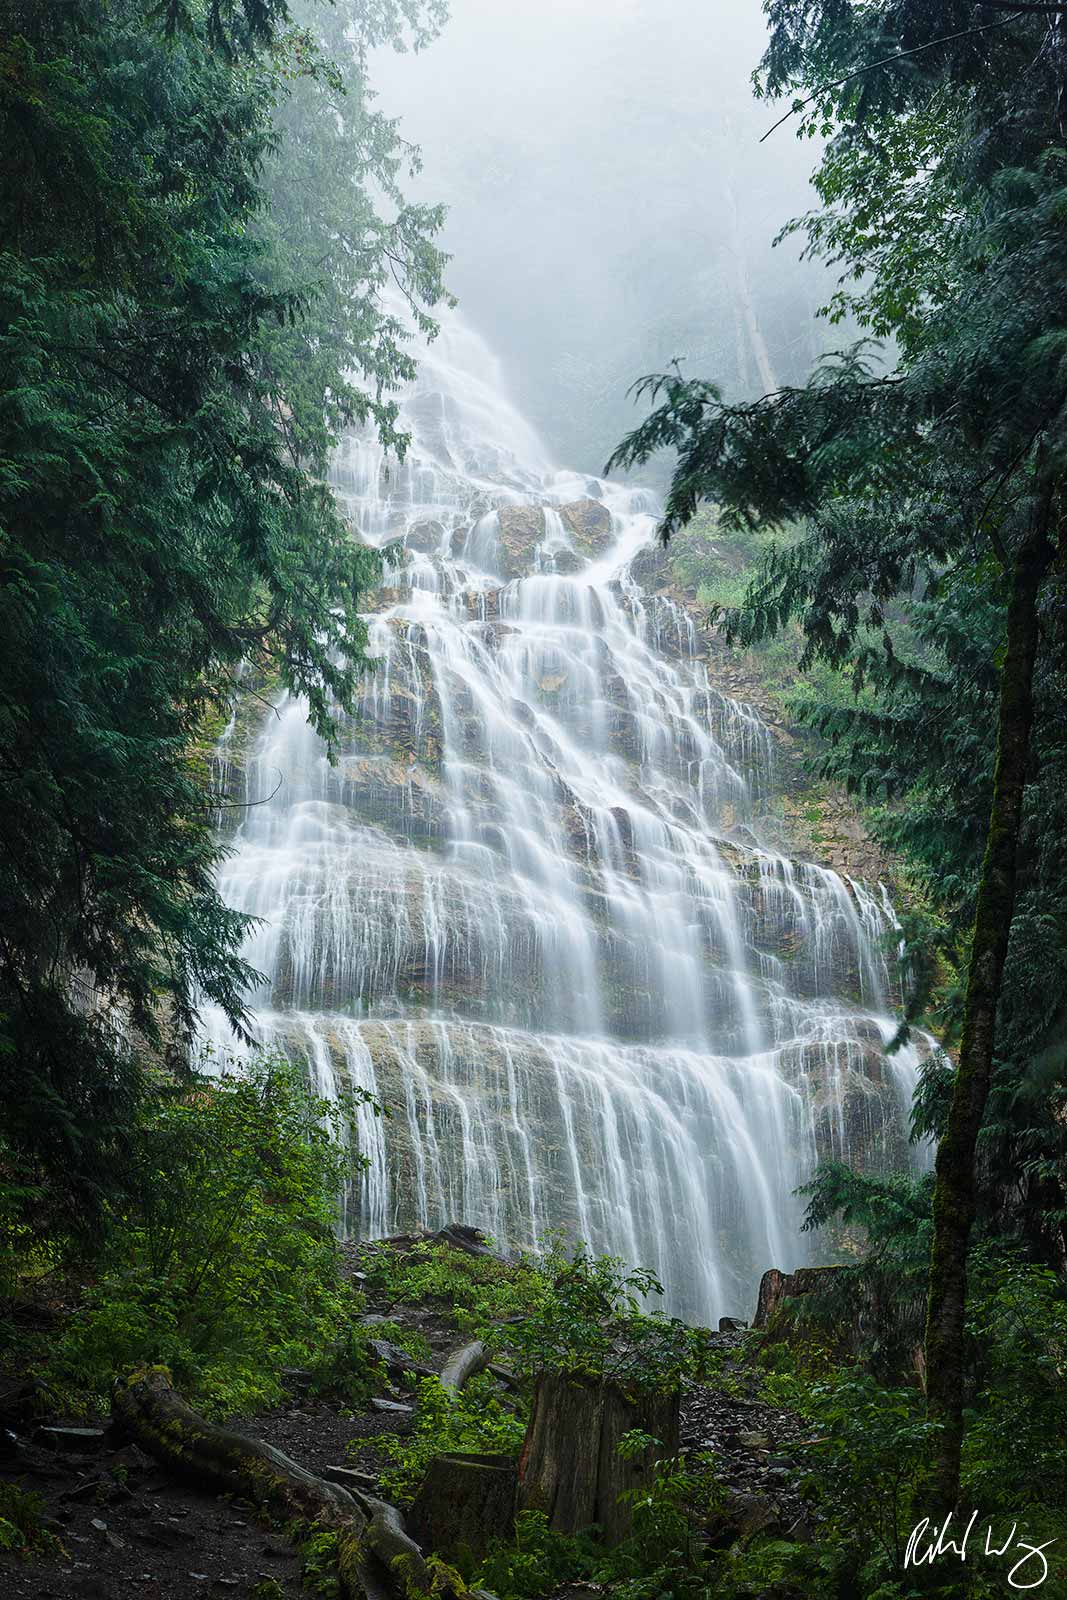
[{"x": 531, "y": 908}]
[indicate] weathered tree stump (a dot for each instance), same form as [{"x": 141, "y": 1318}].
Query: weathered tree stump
[
  {"x": 571, "y": 1468},
  {"x": 776, "y": 1287},
  {"x": 464, "y": 1503},
  {"x": 851, "y": 1314}
]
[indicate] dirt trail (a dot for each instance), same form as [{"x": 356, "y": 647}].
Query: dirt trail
[{"x": 132, "y": 1531}]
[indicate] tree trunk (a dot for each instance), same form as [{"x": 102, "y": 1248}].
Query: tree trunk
[
  {"x": 954, "y": 1191},
  {"x": 571, "y": 1468}
]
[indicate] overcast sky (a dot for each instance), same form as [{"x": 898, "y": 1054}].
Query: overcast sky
[{"x": 607, "y": 190}]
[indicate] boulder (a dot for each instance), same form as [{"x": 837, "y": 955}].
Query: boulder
[
  {"x": 424, "y": 537},
  {"x": 649, "y": 566},
  {"x": 589, "y": 523},
  {"x": 520, "y": 529}
]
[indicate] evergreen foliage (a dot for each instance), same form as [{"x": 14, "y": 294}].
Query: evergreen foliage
[
  {"x": 202, "y": 229},
  {"x": 943, "y": 477}
]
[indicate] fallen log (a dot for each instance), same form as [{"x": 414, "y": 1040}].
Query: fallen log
[
  {"x": 152, "y": 1412},
  {"x": 464, "y": 1364}
]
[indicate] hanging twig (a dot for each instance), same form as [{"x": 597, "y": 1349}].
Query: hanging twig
[{"x": 871, "y": 66}]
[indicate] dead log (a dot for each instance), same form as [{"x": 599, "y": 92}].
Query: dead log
[
  {"x": 464, "y": 1364},
  {"x": 464, "y": 1503},
  {"x": 571, "y": 1468},
  {"x": 387, "y": 1536},
  {"x": 461, "y": 1236},
  {"x": 158, "y": 1419}
]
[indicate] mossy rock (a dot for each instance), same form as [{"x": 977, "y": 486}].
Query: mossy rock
[
  {"x": 521, "y": 530},
  {"x": 589, "y": 523}
]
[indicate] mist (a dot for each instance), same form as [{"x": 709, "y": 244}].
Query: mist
[{"x": 611, "y": 206}]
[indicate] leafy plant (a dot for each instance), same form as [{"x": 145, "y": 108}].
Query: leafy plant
[
  {"x": 473, "y": 1422},
  {"x": 225, "y": 1265},
  {"x": 23, "y": 1527},
  {"x": 592, "y": 1320},
  {"x": 536, "y": 1560},
  {"x": 473, "y": 1291}
]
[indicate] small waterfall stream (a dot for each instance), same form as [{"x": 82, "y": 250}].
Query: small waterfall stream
[{"x": 530, "y": 910}]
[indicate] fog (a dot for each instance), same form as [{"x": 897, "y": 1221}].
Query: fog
[{"x": 610, "y": 204}]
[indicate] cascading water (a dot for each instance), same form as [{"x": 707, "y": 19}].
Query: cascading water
[{"x": 529, "y": 909}]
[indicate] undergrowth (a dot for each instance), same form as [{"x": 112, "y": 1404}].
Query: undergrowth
[{"x": 222, "y": 1263}]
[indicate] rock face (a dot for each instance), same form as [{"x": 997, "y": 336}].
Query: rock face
[{"x": 532, "y": 908}]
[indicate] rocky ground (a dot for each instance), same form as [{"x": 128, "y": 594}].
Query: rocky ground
[{"x": 129, "y": 1529}]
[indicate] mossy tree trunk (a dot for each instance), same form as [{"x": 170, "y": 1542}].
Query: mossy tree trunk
[
  {"x": 954, "y": 1191},
  {"x": 571, "y": 1468}
]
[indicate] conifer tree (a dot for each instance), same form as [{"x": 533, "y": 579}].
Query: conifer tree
[{"x": 943, "y": 190}]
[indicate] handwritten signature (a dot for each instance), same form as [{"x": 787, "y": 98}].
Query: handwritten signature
[{"x": 928, "y": 1544}]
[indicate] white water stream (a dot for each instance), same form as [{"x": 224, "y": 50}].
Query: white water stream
[{"x": 530, "y": 909}]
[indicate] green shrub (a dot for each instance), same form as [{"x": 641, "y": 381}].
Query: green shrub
[
  {"x": 472, "y": 1291},
  {"x": 536, "y": 1560},
  {"x": 226, "y": 1268},
  {"x": 1015, "y": 1450},
  {"x": 590, "y": 1318},
  {"x": 23, "y": 1529},
  {"x": 473, "y": 1422}
]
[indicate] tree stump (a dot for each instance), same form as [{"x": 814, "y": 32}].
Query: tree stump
[
  {"x": 571, "y": 1468},
  {"x": 463, "y": 1504}
]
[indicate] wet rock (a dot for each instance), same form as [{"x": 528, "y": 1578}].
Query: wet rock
[
  {"x": 752, "y": 1514},
  {"x": 589, "y": 522},
  {"x": 520, "y": 530},
  {"x": 732, "y": 1325},
  {"x": 424, "y": 537},
  {"x": 649, "y": 565}
]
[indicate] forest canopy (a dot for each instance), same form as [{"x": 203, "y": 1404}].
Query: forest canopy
[{"x": 205, "y": 239}]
